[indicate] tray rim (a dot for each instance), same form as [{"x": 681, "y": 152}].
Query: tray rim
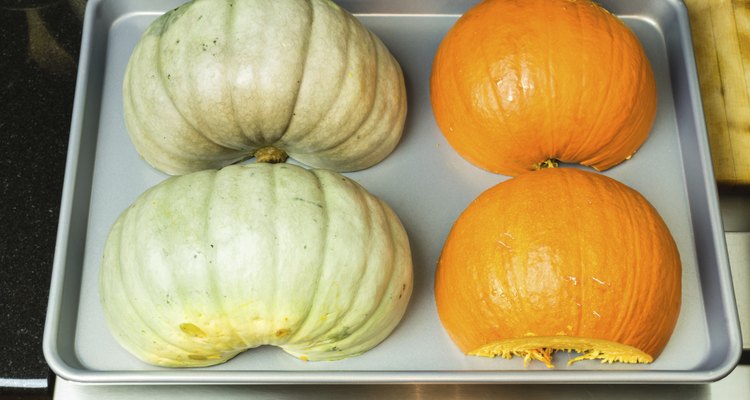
[{"x": 78, "y": 374}]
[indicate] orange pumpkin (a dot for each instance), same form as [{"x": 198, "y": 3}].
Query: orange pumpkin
[
  {"x": 516, "y": 83},
  {"x": 560, "y": 259}
]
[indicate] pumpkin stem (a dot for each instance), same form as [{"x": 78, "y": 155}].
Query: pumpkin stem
[
  {"x": 549, "y": 163},
  {"x": 270, "y": 154}
]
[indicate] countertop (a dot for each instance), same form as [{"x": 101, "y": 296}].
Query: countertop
[{"x": 40, "y": 43}]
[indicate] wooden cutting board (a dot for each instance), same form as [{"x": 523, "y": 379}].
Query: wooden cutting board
[{"x": 721, "y": 41}]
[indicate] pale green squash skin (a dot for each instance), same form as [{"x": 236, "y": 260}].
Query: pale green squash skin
[
  {"x": 204, "y": 266},
  {"x": 212, "y": 81}
]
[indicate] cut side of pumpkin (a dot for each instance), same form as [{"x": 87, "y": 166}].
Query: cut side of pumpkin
[{"x": 542, "y": 348}]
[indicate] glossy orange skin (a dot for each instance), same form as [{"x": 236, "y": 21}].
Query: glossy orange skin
[
  {"x": 560, "y": 252},
  {"x": 517, "y": 82}
]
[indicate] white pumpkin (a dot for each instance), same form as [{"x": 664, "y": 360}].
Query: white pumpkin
[
  {"x": 213, "y": 81},
  {"x": 204, "y": 266}
]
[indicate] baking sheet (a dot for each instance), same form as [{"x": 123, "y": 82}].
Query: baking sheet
[{"x": 427, "y": 184}]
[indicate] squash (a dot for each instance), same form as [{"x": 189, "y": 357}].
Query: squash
[
  {"x": 560, "y": 259},
  {"x": 204, "y": 266},
  {"x": 213, "y": 81},
  {"x": 553, "y": 80}
]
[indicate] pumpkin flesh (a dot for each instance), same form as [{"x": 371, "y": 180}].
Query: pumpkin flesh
[{"x": 560, "y": 259}]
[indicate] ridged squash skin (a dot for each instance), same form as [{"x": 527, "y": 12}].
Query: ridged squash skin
[
  {"x": 560, "y": 259},
  {"x": 518, "y": 82},
  {"x": 212, "y": 81},
  {"x": 204, "y": 266}
]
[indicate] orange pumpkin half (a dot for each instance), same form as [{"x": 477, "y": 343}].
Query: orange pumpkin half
[
  {"x": 516, "y": 83},
  {"x": 560, "y": 259}
]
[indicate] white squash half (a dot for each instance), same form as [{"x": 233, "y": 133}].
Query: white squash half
[
  {"x": 212, "y": 81},
  {"x": 204, "y": 266}
]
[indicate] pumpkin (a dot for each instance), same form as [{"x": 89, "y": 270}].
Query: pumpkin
[
  {"x": 560, "y": 259},
  {"x": 206, "y": 265},
  {"x": 553, "y": 80},
  {"x": 212, "y": 82}
]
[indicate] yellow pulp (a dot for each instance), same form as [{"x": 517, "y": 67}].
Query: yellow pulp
[{"x": 541, "y": 348}]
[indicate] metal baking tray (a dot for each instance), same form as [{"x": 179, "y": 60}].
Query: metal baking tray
[{"x": 427, "y": 184}]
